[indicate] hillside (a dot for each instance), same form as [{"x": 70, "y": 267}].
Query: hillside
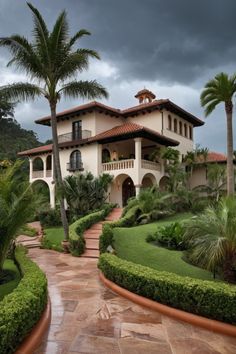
[{"x": 13, "y": 139}]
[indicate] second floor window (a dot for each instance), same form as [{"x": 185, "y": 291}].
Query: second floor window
[
  {"x": 75, "y": 160},
  {"x": 77, "y": 130},
  {"x": 175, "y": 126},
  {"x": 185, "y": 130},
  {"x": 169, "y": 122},
  {"x": 190, "y": 133},
  {"x": 180, "y": 128}
]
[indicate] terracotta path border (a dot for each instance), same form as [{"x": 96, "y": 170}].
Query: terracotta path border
[
  {"x": 35, "y": 336},
  {"x": 195, "y": 320}
]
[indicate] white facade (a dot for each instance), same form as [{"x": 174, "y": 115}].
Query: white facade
[{"x": 128, "y": 160}]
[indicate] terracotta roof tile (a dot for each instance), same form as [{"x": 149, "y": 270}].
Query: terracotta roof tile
[
  {"x": 216, "y": 157},
  {"x": 39, "y": 149}
]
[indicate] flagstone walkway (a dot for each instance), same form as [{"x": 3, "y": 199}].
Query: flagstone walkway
[{"x": 88, "y": 318}]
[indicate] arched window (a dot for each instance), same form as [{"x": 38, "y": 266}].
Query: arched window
[
  {"x": 106, "y": 156},
  {"x": 185, "y": 130},
  {"x": 175, "y": 126},
  {"x": 75, "y": 163},
  {"x": 169, "y": 122},
  {"x": 190, "y": 133},
  {"x": 180, "y": 128}
]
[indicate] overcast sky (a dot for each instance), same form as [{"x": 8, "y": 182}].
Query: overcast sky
[{"x": 172, "y": 47}]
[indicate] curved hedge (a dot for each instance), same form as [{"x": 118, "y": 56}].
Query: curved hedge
[
  {"x": 21, "y": 309},
  {"x": 76, "y": 238},
  {"x": 206, "y": 298}
]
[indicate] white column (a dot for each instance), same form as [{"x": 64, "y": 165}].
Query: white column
[
  {"x": 137, "y": 189},
  {"x": 99, "y": 159},
  {"x": 52, "y": 196},
  {"x": 30, "y": 169},
  {"x": 44, "y": 158},
  {"x": 138, "y": 160}
]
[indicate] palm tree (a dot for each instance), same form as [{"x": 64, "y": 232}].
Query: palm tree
[
  {"x": 16, "y": 206},
  {"x": 212, "y": 238},
  {"x": 222, "y": 89},
  {"x": 50, "y": 62}
]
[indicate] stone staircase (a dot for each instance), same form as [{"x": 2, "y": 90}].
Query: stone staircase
[
  {"x": 92, "y": 235},
  {"x": 31, "y": 242}
]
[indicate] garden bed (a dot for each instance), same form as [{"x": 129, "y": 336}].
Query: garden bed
[
  {"x": 11, "y": 278},
  {"x": 21, "y": 309}
]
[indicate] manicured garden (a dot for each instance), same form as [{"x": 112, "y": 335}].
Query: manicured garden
[{"x": 130, "y": 244}]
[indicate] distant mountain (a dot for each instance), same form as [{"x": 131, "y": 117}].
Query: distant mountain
[{"x": 13, "y": 139}]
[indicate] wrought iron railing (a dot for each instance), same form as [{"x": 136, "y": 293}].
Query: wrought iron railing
[{"x": 85, "y": 134}]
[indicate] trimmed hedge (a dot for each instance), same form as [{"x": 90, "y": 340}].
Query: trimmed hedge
[
  {"x": 76, "y": 238},
  {"x": 106, "y": 238},
  {"x": 21, "y": 309},
  {"x": 206, "y": 298}
]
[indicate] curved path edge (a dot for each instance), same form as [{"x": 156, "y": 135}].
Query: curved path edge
[
  {"x": 35, "y": 337},
  {"x": 200, "y": 321}
]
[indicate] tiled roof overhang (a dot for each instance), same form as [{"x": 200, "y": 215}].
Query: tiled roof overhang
[{"x": 130, "y": 112}]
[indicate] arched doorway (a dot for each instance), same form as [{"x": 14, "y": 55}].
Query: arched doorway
[
  {"x": 128, "y": 190},
  {"x": 38, "y": 167},
  {"x": 41, "y": 189},
  {"x": 148, "y": 180},
  {"x": 106, "y": 156},
  {"x": 163, "y": 184}
]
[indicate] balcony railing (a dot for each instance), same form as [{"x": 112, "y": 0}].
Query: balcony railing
[
  {"x": 63, "y": 138},
  {"x": 37, "y": 174},
  {"x": 72, "y": 167},
  {"x": 118, "y": 165},
  {"x": 150, "y": 165}
]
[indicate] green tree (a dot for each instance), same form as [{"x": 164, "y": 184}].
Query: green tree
[
  {"x": 6, "y": 107},
  {"x": 221, "y": 90},
  {"x": 51, "y": 60},
  {"x": 212, "y": 238},
  {"x": 16, "y": 206}
]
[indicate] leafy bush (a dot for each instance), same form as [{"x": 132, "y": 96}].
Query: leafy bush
[
  {"x": 21, "y": 309},
  {"x": 49, "y": 217},
  {"x": 106, "y": 238},
  {"x": 48, "y": 244},
  {"x": 129, "y": 219},
  {"x": 76, "y": 238},
  {"x": 27, "y": 230},
  {"x": 210, "y": 299},
  {"x": 171, "y": 236}
]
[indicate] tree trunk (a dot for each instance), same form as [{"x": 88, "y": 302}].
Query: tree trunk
[
  {"x": 57, "y": 170},
  {"x": 230, "y": 167}
]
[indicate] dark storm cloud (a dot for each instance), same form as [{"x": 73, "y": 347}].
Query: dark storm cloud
[{"x": 172, "y": 46}]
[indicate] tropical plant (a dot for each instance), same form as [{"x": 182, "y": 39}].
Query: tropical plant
[
  {"x": 221, "y": 90},
  {"x": 171, "y": 236},
  {"x": 85, "y": 193},
  {"x": 16, "y": 206},
  {"x": 50, "y": 61},
  {"x": 211, "y": 238}
]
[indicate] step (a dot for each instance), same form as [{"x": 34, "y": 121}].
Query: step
[
  {"x": 90, "y": 254},
  {"x": 92, "y": 236},
  {"x": 96, "y": 227},
  {"x": 92, "y": 244},
  {"x": 91, "y": 232}
]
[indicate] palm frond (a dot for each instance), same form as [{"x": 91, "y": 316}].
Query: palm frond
[
  {"x": 22, "y": 91},
  {"x": 85, "y": 89},
  {"x": 78, "y": 35}
]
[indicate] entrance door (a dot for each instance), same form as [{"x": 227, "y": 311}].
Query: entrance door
[
  {"x": 128, "y": 190},
  {"x": 77, "y": 130}
]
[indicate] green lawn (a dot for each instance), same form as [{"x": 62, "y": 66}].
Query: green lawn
[
  {"x": 54, "y": 236},
  {"x": 8, "y": 287},
  {"x": 130, "y": 244}
]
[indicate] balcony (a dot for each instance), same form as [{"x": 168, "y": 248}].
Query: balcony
[
  {"x": 63, "y": 138},
  {"x": 72, "y": 167},
  {"x": 129, "y": 164}
]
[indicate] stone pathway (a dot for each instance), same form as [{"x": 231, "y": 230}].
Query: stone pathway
[
  {"x": 28, "y": 241},
  {"x": 92, "y": 235},
  {"x": 90, "y": 319}
]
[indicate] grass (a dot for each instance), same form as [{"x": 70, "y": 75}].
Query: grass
[
  {"x": 9, "y": 286},
  {"x": 27, "y": 231},
  {"x": 53, "y": 238},
  {"x": 130, "y": 244}
]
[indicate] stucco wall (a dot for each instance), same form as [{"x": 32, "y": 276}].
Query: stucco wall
[
  {"x": 151, "y": 120},
  {"x": 198, "y": 177},
  {"x": 88, "y": 123}
]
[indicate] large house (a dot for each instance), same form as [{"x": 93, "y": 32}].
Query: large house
[{"x": 100, "y": 139}]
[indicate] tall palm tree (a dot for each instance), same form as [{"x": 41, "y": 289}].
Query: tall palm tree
[
  {"x": 50, "y": 61},
  {"x": 221, "y": 90}
]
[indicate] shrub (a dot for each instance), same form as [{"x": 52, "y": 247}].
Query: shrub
[
  {"x": 129, "y": 219},
  {"x": 49, "y": 217},
  {"x": 48, "y": 244},
  {"x": 210, "y": 299},
  {"x": 27, "y": 230},
  {"x": 171, "y": 236},
  {"x": 76, "y": 238},
  {"x": 21, "y": 309},
  {"x": 106, "y": 238}
]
